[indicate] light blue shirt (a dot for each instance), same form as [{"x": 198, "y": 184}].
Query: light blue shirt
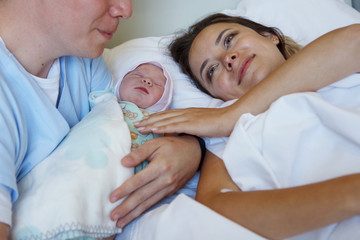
[{"x": 31, "y": 126}]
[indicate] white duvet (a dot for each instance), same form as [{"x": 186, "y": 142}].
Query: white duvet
[{"x": 303, "y": 138}]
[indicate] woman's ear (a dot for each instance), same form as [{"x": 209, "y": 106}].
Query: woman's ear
[{"x": 272, "y": 37}]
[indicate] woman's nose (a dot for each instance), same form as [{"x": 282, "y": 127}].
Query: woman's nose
[
  {"x": 121, "y": 9},
  {"x": 229, "y": 60},
  {"x": 147, "y": 82}
]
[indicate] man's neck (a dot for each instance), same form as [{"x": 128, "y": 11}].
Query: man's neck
[{"x": 25, "y": 39}]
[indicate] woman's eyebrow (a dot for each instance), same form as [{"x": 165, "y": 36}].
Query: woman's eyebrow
[
  {"x": 217, "y": 41},
  {"x": 220, "y": 36},
  {"x": 202, "y": 67}
]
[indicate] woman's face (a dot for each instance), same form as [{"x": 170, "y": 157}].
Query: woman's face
[
  {"x": 229, "y": 59},
  {"x": 82, "y": 27}
]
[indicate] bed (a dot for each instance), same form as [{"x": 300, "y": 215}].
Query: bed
[{"x": 63, "y": 203}]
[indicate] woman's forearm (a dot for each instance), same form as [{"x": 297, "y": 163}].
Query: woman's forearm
[
  {"x": 284, "y": 212},
  {"x": 4, "y": 231}
]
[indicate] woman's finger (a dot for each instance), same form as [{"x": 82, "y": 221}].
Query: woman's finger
[
  {"x": 171, "y": 122},
  {"x": 155, "y": 117},
  {"x": 168, "y": 125},
  {"x": 207, "y": 122},
  {"x": 188, "y": 127}
]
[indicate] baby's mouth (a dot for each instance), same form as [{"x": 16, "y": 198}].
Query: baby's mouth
[{"x": 142, "y": 89}]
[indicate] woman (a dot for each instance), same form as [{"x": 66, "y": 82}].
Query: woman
[
  {"x": 222, "y": 52},
  {"x": 278, "y": 83}
]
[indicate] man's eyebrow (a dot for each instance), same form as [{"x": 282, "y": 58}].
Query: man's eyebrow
[{"x": 220, "y": 36}]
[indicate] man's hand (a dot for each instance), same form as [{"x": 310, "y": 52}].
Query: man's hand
[{"x": 172, "y": 162}]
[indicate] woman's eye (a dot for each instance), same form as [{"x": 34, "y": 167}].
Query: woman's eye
[
  {"x": 228, "y": 39},
  {"x": 211, "y": 71}
]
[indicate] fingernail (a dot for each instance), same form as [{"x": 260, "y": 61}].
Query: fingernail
[
  {"x": 116, "y": 217},
  {"x": 141, "y": 128},
  {"x": 146, "y": 117},
  {"x": 136, "y": 123},
  {"x": 120, "y": 224},
  {"x": 154, "y": 129},
  {"x": 125, "y": 160}
]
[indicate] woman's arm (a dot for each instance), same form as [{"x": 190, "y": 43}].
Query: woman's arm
[
  {"x": 328, "y": 59},
  {"x": 324, "y": 61},
  {"x": 4, "y": 231},
  {"x": 278, "y": 214}
]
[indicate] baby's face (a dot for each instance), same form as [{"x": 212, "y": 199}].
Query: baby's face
[{"x": 143, "y": 86}]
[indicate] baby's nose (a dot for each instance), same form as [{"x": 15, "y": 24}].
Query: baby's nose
[{"x": 147, "y": 82}]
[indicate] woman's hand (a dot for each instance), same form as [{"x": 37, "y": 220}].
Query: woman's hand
[
  {"x": 172, "y": 162},
  {"x": 208, "y": 122}
]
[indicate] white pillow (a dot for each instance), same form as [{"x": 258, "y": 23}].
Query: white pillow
[
  {"x": 67, "y": 194},
  {"x": 303, "y": 20},
  {"x": 156, "y": 49}
]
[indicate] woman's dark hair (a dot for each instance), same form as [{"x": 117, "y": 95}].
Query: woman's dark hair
[{"x": 180, "y": 46}]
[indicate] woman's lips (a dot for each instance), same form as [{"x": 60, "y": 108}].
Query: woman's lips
[
  {"x": 142, "y": 89},
  {"x": 244, "y": 67}
]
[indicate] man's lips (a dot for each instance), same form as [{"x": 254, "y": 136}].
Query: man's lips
[
  {"x": 107, "y": 34},
  {"x": 142, "y": 89},
  {"x": 244, "y": 67}
]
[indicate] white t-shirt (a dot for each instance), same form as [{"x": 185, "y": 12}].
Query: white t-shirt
[
  {"x": 5, "y": 205},
  {"x": 50, "y": 85}
]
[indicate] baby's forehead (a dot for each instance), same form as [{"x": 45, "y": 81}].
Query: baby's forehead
[
  {"x": 149, "y": 66},
  {"x": 153, "y": 69}
]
